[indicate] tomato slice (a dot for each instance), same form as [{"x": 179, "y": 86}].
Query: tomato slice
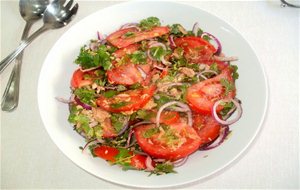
[
  {"x": 78, "y": 80},
  {"x": 120, "y": 40},
  {"x": 178, "y": 141},
  {"x": 106, "y": 152},
  {"x": 196, "y": 49},
  {"x": 125, "y": 75},
  {"x": 126, "y": 50},
  {"x": 202, "y": 96},
  {"x": 207, "y": 128},
  {"x": 138, "y": 161},
  {"x": 130, "y": 100},
  {"x": 113, "y": 37},
  {"x": 167, "y": 117}
]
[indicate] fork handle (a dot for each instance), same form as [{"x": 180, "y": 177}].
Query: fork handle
[
  {"x": 10, "y": 98},
  {"x": 6, "y": 61}
]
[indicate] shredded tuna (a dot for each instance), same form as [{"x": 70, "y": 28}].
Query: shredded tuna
[
  {"x": 187, "y": 71},
  {"x": 100, "y": 115}
]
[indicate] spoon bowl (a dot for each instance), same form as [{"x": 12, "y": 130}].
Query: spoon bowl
[
  {"x": 32, "y": 10},
  {"x": 56, "y": 15}
]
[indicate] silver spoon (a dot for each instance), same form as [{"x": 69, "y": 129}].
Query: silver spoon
[
  {"x": 31, "y": 11},
  {"x": 56, "y": 15}
]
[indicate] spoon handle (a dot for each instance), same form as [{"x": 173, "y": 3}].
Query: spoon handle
[
  {"x": 6, "y": 61},
  {"x": 10, "y": 98}
]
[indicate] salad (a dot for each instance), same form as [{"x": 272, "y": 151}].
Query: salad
[{"x": 148, "y": 96}]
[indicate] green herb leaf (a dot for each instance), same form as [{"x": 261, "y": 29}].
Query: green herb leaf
[
  {"x": 110, "y": 93},
  {"x": 144, "y": 114},
  {"x": 119, "y": 105},
  {"x": 129, "y": 34},
  {"x": 206, "y": 37},
  {"x": 228, "y": 85},
  {"x": 163, "y": 168},
  {"x": 149, "y": 23},
  {"x": 235, "y": 74},
  {"x": 157, "y": 52},
  {"x": 118, "y": 121},
  {"x": 88, "y": 59},
  {"x": 150, "y": 132},
  {"x": 85, "y": 95},
  {"x": 227, "y": 106},
  {"x": 214, "y": 67},
  {"x": 138, "y": 57},
  {"x": 175, "y": 30},
  {"x": 135, "y": 86}
]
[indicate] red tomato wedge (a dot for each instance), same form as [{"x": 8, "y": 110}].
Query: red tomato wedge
[
  {"x": 207, "y": 128},
  {"x": 125, "y": 75},
  {"x": 78, "y": 80},
  {"x": 202, "y": 96},
  {"x": 138, "y": 161},
  {"x": 177, "y": 142},
  {"x": 130, "y": 100},
  {"x": 109, "y": 153},
  {"x": 120, "y": 40},
  {"x": 126, "y": 50},
  {"x": 106, "y": 152},
  {"x": 196, "y": 49}
]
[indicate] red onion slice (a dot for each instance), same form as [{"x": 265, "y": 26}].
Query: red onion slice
[
  {"x": 89, "y": 69},
  {"x": 222, "y": 136},
  {"x": 180, "y": 162},
  {"x": 85, "y": 106},
  {"x": 91, "y": 142},
  {"x": 129, "y": 25},
  {"x": 220, "y": 58},
  {"x": 180, "y": 104},
  {"x": 63, "y": 100},
  {"x": 125, "y": 127},
  {"x": 219, "y": 46},
  {"x": 195, "y": 29},
  {"x": 229, "y": 122},
  {"x": 206, "y": 71},
  {"x": 172, "y": 43},
  {"x": 128, "y": 144},
  {"x": 100, "y": 36},
  {"x": 144, "y": 75},
  {"x": 148, "y": 163}
]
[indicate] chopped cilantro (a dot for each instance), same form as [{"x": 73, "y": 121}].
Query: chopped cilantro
[
  {"x": 149, "y": 23},
  {"x": 119, "y": 105},
  {"x": 144, "y": 114},
  {"x": 136, "y": 86},
  {"x": 227, "y": 106},
  {"x": 85, "y": 95},
  {"x": 163, "y": 99},
  {"x": 150, "y": 132},
  {"x": 206, "y": 37},
  {"x": 214, "y": 67},
  {"x": 138, "y": 57},
  {"x": 235, "y": 74},
  {"x": 110, "y": 93},
  {"x": 175, "y": 30},
  {"x": 88, "y": 59},
  {"x": 228, "y": 85},
  {"x": 121, "y": 88},
  {"x": 118, "y": 121},
  {"x": 162, "y": 168},
  {"x": 158, "y": 52},
  {"x": 129, "y": 34}
]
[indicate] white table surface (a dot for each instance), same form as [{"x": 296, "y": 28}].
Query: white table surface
[{"x": 29, "y": 159}]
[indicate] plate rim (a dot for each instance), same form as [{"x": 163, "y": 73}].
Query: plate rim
[{"x": 210, "y": 175}]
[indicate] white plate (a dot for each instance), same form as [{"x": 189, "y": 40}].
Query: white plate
[{"x": 58, "y": 67}]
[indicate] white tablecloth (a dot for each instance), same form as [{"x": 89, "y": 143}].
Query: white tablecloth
[{"x": 29, "y": 159}]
